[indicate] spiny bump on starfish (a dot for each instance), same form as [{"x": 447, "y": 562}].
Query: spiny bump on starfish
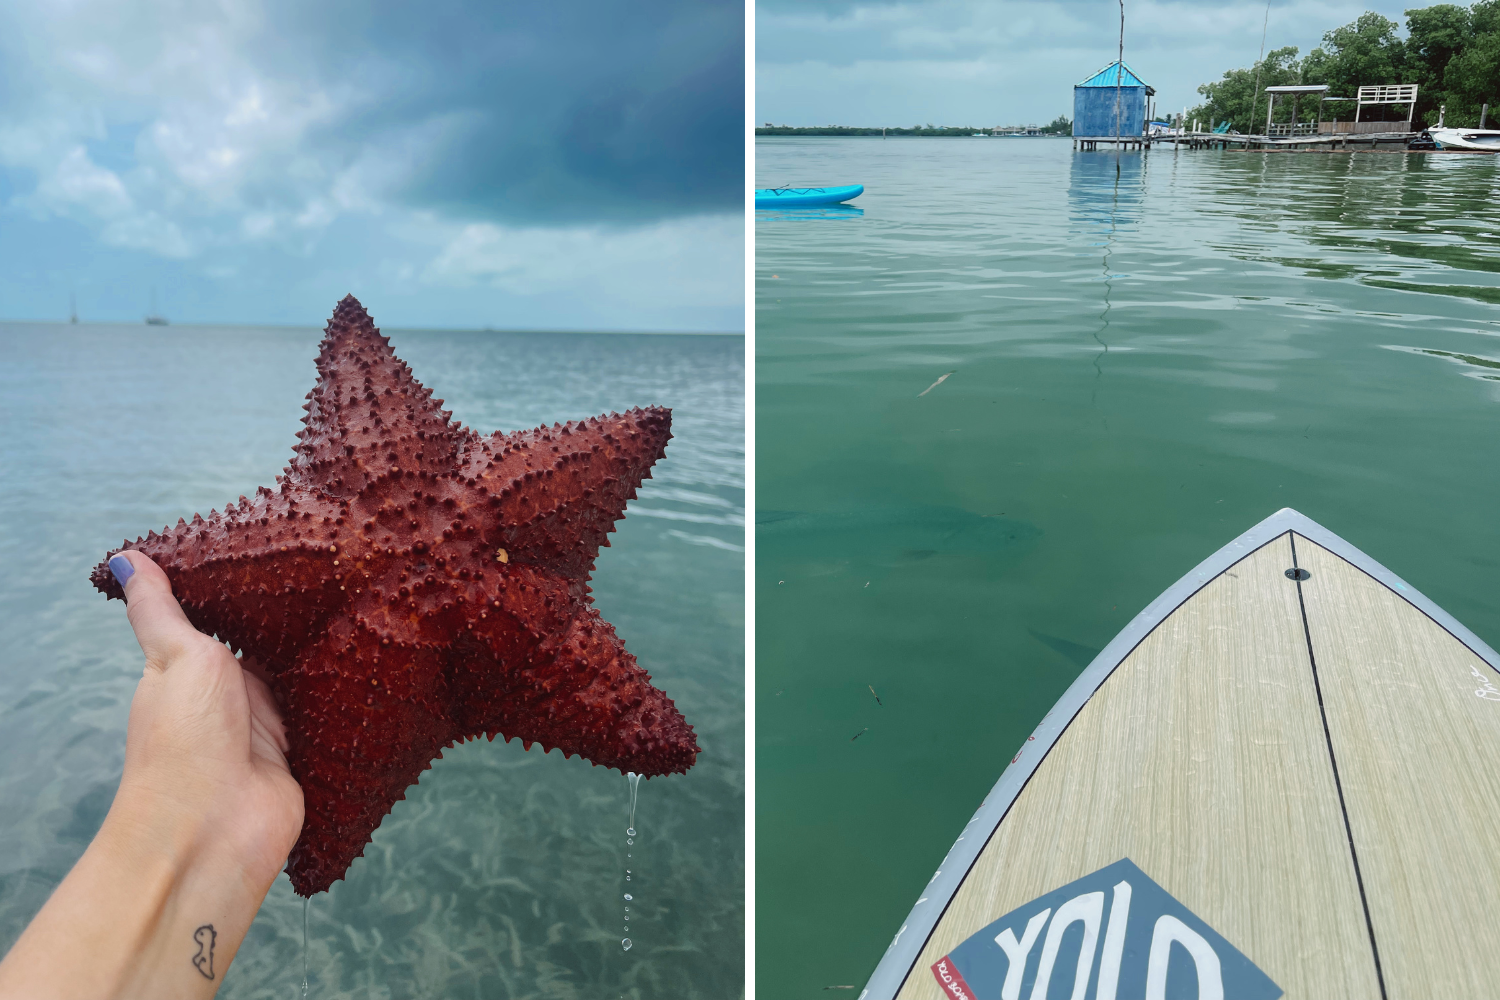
[{"x": 410, "y": 585}]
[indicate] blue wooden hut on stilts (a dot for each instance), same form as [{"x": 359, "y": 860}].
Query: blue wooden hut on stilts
[{"x": 1094, "y": 108}]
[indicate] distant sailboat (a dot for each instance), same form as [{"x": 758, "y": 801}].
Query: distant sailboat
[
  {"x": 72, "y": 309},
  {"x": 154, "y": 318}
]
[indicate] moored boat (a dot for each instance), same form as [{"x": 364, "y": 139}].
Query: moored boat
[
  {"x": 1472, "y": 140},
  {"x": 154, "y": 318}
]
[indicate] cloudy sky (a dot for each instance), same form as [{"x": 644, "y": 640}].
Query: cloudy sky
[
  {"x": 568, "y": 165},
  {"x": 998, "y": 62}
]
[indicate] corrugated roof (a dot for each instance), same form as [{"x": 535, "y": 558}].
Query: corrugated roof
[{"x": 1106, "y": 77}]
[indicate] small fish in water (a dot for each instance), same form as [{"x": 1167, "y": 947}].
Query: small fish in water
[
  {"x": 877, "y": 697},
  {"x": 859, "y": 734},
  {"x": 838, "y": 987},
  {"x": 933, "y": 386}
]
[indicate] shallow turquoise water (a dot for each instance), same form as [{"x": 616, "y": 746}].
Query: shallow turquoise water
[
  {"x": 1148, "y": 355},
  {"x": 501, "y": 875}
]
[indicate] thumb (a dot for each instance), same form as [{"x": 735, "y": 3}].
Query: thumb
[{"x": 160, "y": 626}]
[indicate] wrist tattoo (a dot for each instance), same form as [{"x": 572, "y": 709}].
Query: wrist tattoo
[{"x": 205, "y": 936}]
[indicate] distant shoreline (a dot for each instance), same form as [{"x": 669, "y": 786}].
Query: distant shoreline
[
  {"x": 137, "y": 325},
  {"x": 846, "y": 130}
]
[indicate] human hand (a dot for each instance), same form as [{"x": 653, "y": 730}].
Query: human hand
[
  {"x": 205, "y": 741},
  {"x": 206, "y": 814}
]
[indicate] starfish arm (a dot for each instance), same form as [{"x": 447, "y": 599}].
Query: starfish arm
[
  {"x": 366, "y": 717},
  {"x": 580, "y": 691},
  {"x": 367, "y": 413},
  {"x": 561, "y": 489},
  {"x": 262, "y": 576}
]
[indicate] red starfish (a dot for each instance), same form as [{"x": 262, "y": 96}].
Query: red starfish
[{"x": 410, "y": 585}]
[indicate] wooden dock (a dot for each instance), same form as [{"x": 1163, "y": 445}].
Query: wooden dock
[
  {"x": 1217, "y": 140},
  {"x": 1124, "y": 142},
  {"x": 1280, "y": 775}
]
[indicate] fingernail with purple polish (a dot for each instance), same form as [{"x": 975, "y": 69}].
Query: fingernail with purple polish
[{"x": 121, "y": 568}]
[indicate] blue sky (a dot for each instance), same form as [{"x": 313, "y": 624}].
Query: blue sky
[
  {"x": 1003, "y": 62},
  {"x": 536, "y": 166}
]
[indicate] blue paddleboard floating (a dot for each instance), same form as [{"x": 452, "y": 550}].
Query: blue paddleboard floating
[{"x": 790, "y": 197}]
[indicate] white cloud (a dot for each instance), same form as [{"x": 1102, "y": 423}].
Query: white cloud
[
  {"x": 148, "y": 231},
  {"x": 78, "y": 188},
  {"x": 696, "y": 261},
  {"x": 222, "y": 142},
  {"x": 76, "y": 182},
  {"x": 214, "y": 134}
]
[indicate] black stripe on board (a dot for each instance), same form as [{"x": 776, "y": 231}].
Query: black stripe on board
[{"x": 1337, "y": 783}]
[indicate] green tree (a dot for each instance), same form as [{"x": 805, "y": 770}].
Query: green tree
[
  {"x": 1235, "y": 99},
  {"x": 1434, "y": 36},
  {"x": 1364, "y": 53},
  {"x": 1472, "y": 76}
]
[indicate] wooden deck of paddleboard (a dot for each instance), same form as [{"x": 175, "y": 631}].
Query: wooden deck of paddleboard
[{"x": 1312, "y": 767}]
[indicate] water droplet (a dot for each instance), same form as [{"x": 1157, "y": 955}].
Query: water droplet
[
  {"x": 634, "y": 781},
  {"x": 305, "y": 901}
]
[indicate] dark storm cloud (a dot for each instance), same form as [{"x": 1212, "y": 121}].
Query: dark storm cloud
[{"x": 539, "y": 112}]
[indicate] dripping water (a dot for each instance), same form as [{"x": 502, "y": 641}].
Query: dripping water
[
  {"x": 305, "y": 901},
  {"x": 635, "y": 784}
]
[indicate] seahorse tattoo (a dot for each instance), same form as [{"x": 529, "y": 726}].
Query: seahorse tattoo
[{"x": 204, "y": 960}]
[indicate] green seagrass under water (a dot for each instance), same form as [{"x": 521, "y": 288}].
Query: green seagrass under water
[{"x": 1149, "y": 354}]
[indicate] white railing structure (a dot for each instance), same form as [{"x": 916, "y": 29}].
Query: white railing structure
[{"x": 1388, "y": 93}]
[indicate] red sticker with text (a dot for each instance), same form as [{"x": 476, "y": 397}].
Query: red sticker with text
[{"x": 950, "y": 980}]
